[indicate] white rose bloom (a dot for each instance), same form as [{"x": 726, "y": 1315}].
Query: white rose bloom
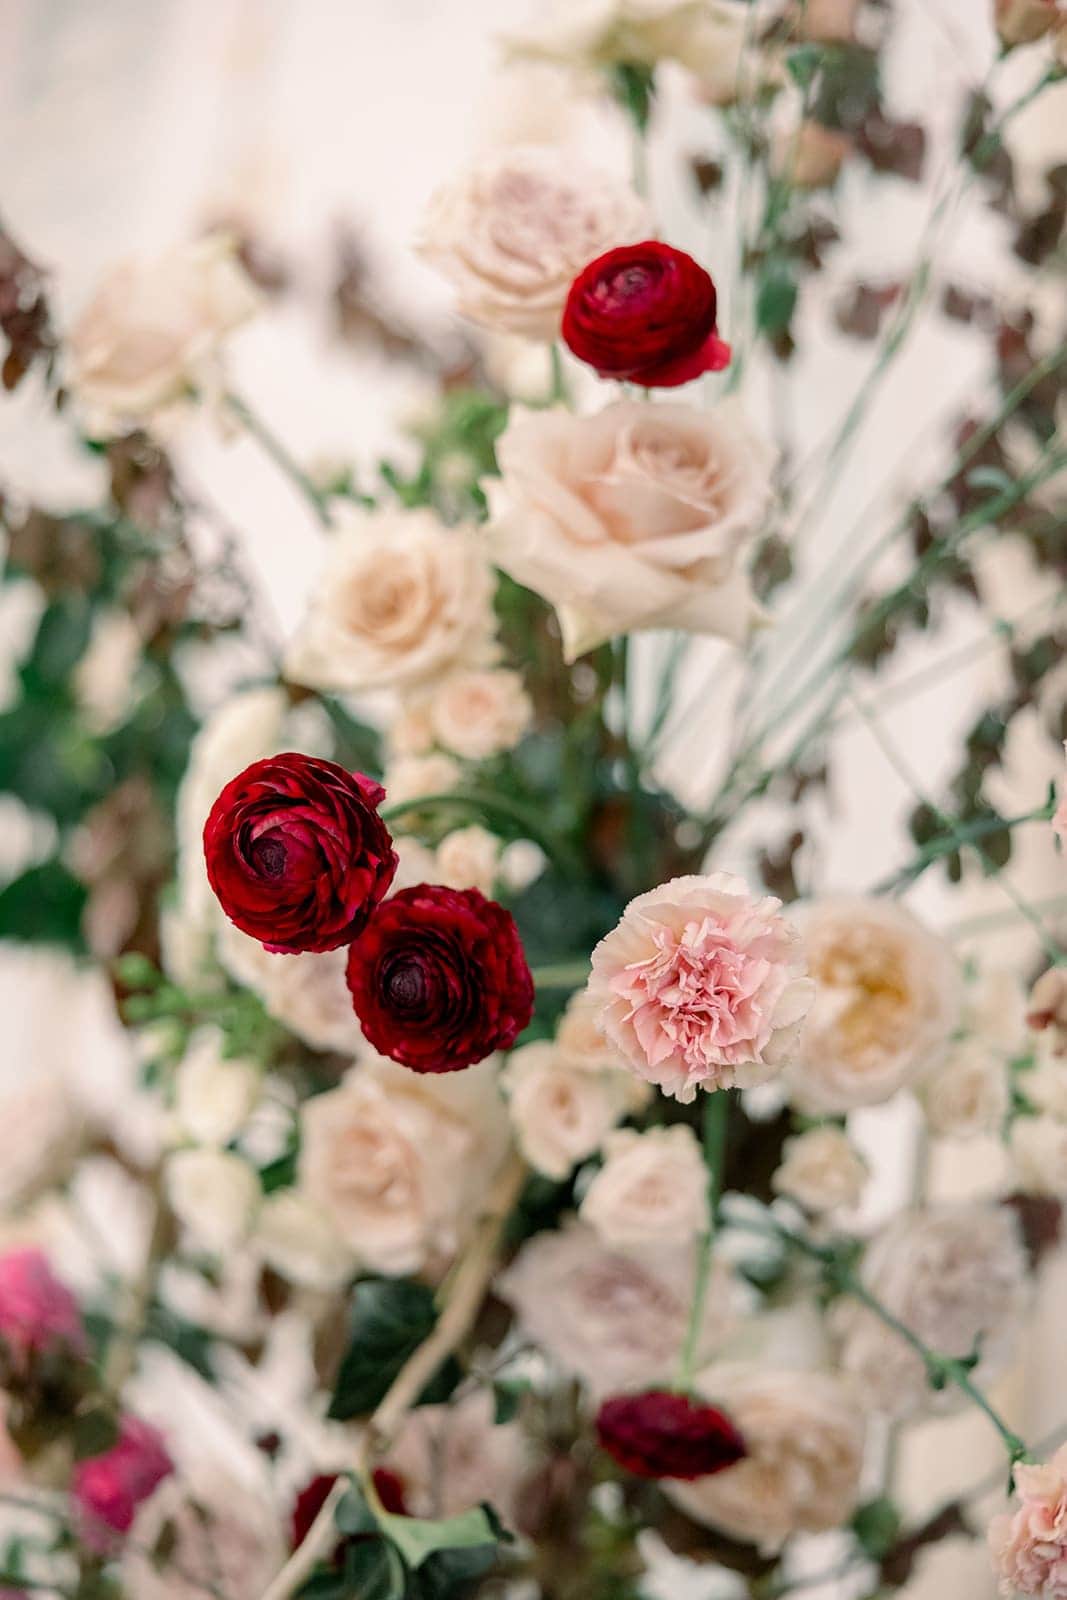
[
  {"x": 227, "y": 1540},
  {"x": 956, "y": 1276},
  {"x": 398, "y": 1161},
  {"x": 512, "y": 234},
  {"x": 306, "y": 993},
  {"x": 468, "y": 859},
  {"x": 400, "y": 600},
  {"x": 560, "y": 1114},
  {"x": 213, "y": 1095},
  {"x": 104, "y": 677},
  {"x": 1038, "y": 1147},
  {"x": 651, "y": 1192},
  {"x": 632, "y": 518},
  {"x": 41, "y": 1125},
  {"x": 968, "y": 1094},
  {"x": 887, "y": 1001},
  {"x": 417, "y": 777},
  {"x": 452, "y": 1457},
  {"x": 805, "y": 1439},
  {"x": 214, "y": 1194},
  {"x": 417, "y": 863},
  {"x": 296, "y": 1239},
  {"x": 821, "y": 1170},
  {"x": 616, "y": 1321},
  {"x": 480, "y": 712},
  {"x": 152, "y": 332},
  {"x": 521, "y": 864}
]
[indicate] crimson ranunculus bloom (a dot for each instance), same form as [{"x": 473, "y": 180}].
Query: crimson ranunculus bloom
[
  {"x": 439, "y": 979},
  {"x": 645, "y": 313},
  {"x": 297, "y": 853},
  {"x": 666, "y": 1435}
]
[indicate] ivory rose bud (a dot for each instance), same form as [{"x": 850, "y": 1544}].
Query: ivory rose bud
[
  {"x": 306, "y": 992},
  {"x": 968, "y": 1094},
  {"x": 468, "y": 858},
  {"x": 297, "y": 1240},
  {"x": 108, "y": 1488},
  {"x": 480, "y": 713},
  {"x": 632, "y": 518},
  {"x": 449, "y": 1458},
  {"x": 38, "y": 1313},
  {"x": 214, "y": 1194},
  {"x": 397, "y": 1162},
  {"x": 420, "y": 777},
  {"x": 887, "y": 1000},
  {"x": 615, "y": 1320},
  {"x": 1029, "y": 1544},
  {"x": 512, "y": 233},
  {"x": 702, "y": 986},
  {"x": 822, "y": 1170},
  {"x": 1023, "y": 21},
  {"x": 957, "y": 1277},
  {"x": 152, "y": 332},
  {"x": 213, "y": 1095},
  {"x": 400, "y": 600},
  {"x": 652, "y": 1190},
  {"x": 1038, "y": 1147},
  {"x": 560, "y": 1114},
  {"x": 804, "y": 1437}
]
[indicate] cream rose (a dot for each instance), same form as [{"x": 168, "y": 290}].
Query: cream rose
[
  {"x": 298, "y": 1242},
  {"x": 957, "y": 1277},
  {"x": 887, "y": 1001},
  {"x": 214, "y": 1095},
  {"x": 560, "y": 1113},
  {"x": 306, "y": 993},
  {"x": 651, "y": 1192},
  {"x": 821, "y": 1170},
  {"x": 581, "y": 1044},
  {"x": 152, "y": 332},
  {"x": 616, "y": 1321},
  {"x": 450, "y": 1458},
  {"x": 468, "y": 858},
  {"x": 968, "y": 1094},
  {"x": 701, "y": 986},
  {"x": 805, "y": 1438},
  {"x": 1038, "y": 1148},
  {"x": 512, "y": 234},
  {"x": 401, "y": 599},
  {"x": 480, "y": 713},
  {"x": 632, "y": 518},
  {"x": 214, "y": 1194},
  {"x": 398, "y": 1161},
  {"x": 419, "y": 777}
]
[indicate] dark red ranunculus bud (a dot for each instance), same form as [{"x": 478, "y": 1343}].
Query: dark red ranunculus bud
[
  {"x": 666, "y": 1435},
  {"x": 439, "y": 979},
  {"x": 297, "y": 853},
  {"x": 645, "y": 313}
]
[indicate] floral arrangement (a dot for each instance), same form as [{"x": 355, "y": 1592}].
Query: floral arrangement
[{"x": 506, "y": 1094}]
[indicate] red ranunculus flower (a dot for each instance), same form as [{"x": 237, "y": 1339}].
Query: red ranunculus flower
[
  {"x": 297, "y": 853},
  {"x": 666, "y": 1435},
  {"x": 439, "y": 979},
  {"x": 645, "y": 313}
]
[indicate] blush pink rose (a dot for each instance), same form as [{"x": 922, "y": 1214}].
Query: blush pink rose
[
  {"x": 108, "y": 1488},
  {"x": 37, "y": 1312},
  {"x": 701, "y": 985},
  {"x": 1029, "y": 1545}
]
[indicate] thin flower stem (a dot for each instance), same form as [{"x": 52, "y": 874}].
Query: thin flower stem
[
  {"x": 316, "y": 498},
  {"x": 562, "y": 975},
  {"x": 946, "y": 844},
  {"x": 715, "y": 1121}
]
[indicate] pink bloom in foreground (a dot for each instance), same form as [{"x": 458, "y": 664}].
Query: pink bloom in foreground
[
  {"x": 1029, "y": 1545},
  {"x": 37, "y": 1312},
  {"x": 108, "y": 1488},
  {"x": 702, "y": 986}
]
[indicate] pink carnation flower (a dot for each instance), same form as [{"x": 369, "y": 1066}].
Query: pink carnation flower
[
  {"x": 702, "y": 986},
  {"x": 37, "y": 1312},
  {"x": 1029, "y": 1545},
  {"x": 108, "y": 1488}
]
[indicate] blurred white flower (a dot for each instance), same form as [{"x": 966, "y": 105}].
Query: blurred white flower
[
  {"x": 560, "y": 1113},
  {"x": 480, "y": 712},
  {"x": 103, "y": 679},
  {"x": 452, "y": 1457},
  {"x": 42, "y": 1125},
  {"x": 521, "y": 864},
  {"x": 468, "y": 858},
  {"x": 297, "y": 1239},
  {"x": 651, "y": 1192},
  {"x": 225, "y": 1539},
  {"x": 1038, "y": 1149},
  {"x": 307, "y": 993},
  {"x": 151, "y": 334},
  {"x": 213, "y": 1094},
  {"x": 417, "y": 777},
  {"x": 821, "y": 1170},
  {"x": 214, "y": 1194}
]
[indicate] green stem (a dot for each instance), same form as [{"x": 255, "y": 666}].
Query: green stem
[
  {"x": 491, "y": 804},
  {"x": 946, "y": 844},
  {"x": 562, "y": 975},
  {"x": 317, "y": 499},
  {"x": 715, "y": 1121}
]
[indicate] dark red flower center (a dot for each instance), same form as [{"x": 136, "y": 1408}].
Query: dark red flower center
[
  {"x": 407, "y": 985},
  {"x": 269, "y": 856}
]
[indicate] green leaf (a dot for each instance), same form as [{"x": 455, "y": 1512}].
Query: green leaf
[
  {"x": 417, "y": 1539},
  {"x": 390, "y": 1318},
  {"x": 372, "y": 1570},
  {"x": 776, "y": 299},
  {"x": 61, "y": 640},
  {"x": 94, "y": 1431},
  {"x": 354, "y": 1515},
  {"x": 507, "y": 1397},
  {"x": 877, "y": 1527},
  {"x": 43, "y": 906},
  {"x": 803, "y": 63},
  {"x": 634, "y": 87}
]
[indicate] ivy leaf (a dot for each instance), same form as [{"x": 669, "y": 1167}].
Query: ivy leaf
[
  {"x": 877, "y": 1527},
  {"x": 418, "y": 1539},
  {"x": 372, "y": 1570},
  {"x": 803, "y": 63},
  {"x": 776, "y": 299},
  {"x": 43, "y": 906},
  {"x": 390, "y": 1318},
  {"x": 634, "y": 85}
]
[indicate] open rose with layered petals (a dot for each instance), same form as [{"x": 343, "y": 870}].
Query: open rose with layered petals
[
  {"x": 645, "y": 313},
  {"x": 297, "y": 853},
  {"x": 702, "y": 986},
  {"x": 633, "y": 518},
  {"x": 439, "y": 979},
  {"x": 662, "y": 1434}
]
